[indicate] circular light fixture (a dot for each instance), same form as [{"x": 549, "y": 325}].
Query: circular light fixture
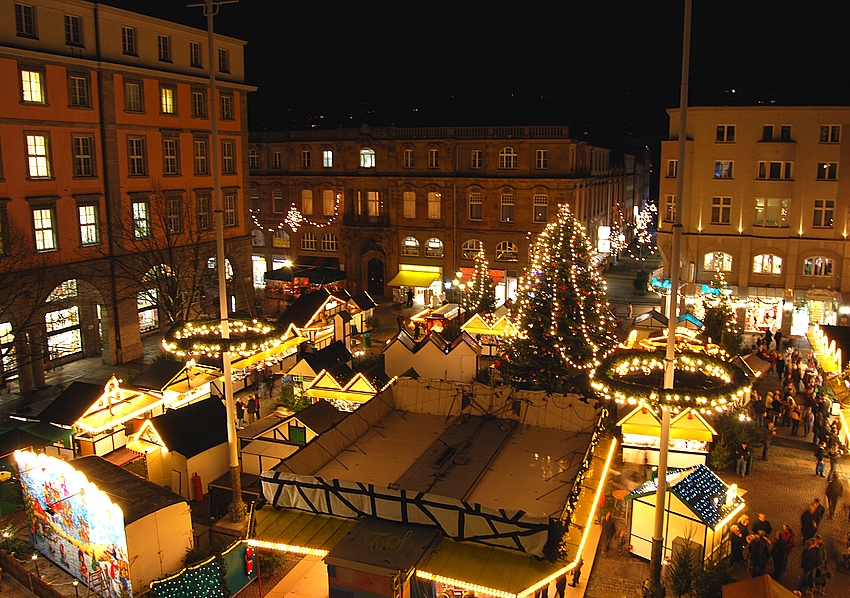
[{"x": 247, "y": 337}]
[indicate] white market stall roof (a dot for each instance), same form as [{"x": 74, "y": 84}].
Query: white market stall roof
[
  {"x": 115, "y": 406},
  {"x": 270, "y": 448},
  {"x": 687, "y": 425},
  {"x": 479, "y": 325}
]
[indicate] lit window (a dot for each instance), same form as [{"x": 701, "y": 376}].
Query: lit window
[
  {"x": 253, "y": 158},
  {"x": 258, "y": 238},
  {"x": 717, "y": 261},
  {"x": 309, "y": 241},
  {"x": 409, "y": 204},
  {"x": 827, "y": 171},
  {"x": 410, "y": 247},
  {"x": 723, "y": 169},
  {"x": 507, "y": 213},
  {"x": 367, "y": 158},
  {"x": 507, "y": 158},
  {"x": 824, "y": 213},
  {"x": 146, "y": 304},
  {"x": 25, "y": 20},
  {"x": 330, "y": 242},
  {"x": 327, "y": 159},
  {"x": 721, "y": 210},
  {"x": 771, "y": 212},
  {"x": 767, "y": 263},
  {"x": 73, "y": 31},
  {"x": 541, "y": 208},
  {"x": 542, "y": 159},
  {"x": 507, "y": 252},
  {"x": 817, "y": 266},
  {"x": 255, "y": 199},
  {"x": 141, "y": 220},
  {"x": 32, "y": 86},
  {"x": 476, "y": 206},
  {"x": 277, "y": 160},
  {"x": 471, "y": 248},
  {"x": 434, "y": 248},
  {"x": 281, "y": 238},
  {"x": 44, "y": 227},
  {"x": 307, "y": 201},
  {"x": 83, "y": 155},
  {"x": 328, "y": 202},
  {"x": 38, "y": 157},
  {"x": 166, "y": 100},
  {"x": 435, "y": 201}
]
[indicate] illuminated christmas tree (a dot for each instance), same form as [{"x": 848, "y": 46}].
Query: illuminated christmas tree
[
  {"x": 482, "y": 294},
  {"x": 643, "y": 246},
  {"x": 565, "y": 327}
]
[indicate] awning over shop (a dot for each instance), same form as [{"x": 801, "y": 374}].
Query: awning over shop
[{"x": 410, "y": 278}]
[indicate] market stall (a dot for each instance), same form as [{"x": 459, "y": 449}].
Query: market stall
[{"x": 690, "y": 438}]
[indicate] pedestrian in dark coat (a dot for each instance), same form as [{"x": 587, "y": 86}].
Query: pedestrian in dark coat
[
  {"x": 769, "y": 433},
  {"x": 777, "y": 336},
  {"x": 834, "y": 490},
  {"x": 809, "y": 561},
  {"x": 759, "y": 554},
  {"x": 762, "y": 524},
  {"x": 577, "y": 572},
  {"x": 808, "y": 524},
  {"x": 738, "y": 543},
  {"x": 609, "y": 528},
  {"x": 561, "y": 585},
  {"x": 819, "y": 511},
  {"x": 780, "y": 367},
  {"x": 779, "y": 553},
  {"x": 240, "y": 412}
]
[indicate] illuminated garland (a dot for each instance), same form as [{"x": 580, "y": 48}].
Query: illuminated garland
[
  {"x": 204, "y": 580},
  {"x": 575, "y": 493},
  {"x": 732, "y": 382},
  {"x": 294, "y": 219},
  {"x": 481, "y": 295},
  {"x": 247, "y": 337},
  {"x": 643, "y": 238}
]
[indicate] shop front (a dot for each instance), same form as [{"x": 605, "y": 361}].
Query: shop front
[
  {"x": 504, "y": 285},
  {"x": 425, "y": 283},
  {"x": 815, "y": 306},
  {"x": 764, "y": 309}
]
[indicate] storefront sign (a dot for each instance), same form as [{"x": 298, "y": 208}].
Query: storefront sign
[{"x": 821, "y": 295}]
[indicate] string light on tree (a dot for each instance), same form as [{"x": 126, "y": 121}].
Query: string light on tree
[
  {"x": 296, "y": 218},
  {"x": 644, "y": 245},
  {"x": 482, "y": 295}
]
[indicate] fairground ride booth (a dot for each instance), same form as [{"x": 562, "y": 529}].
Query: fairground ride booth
[
  {"x": 446, "y": 499},
  {"x": 105, "y": 526},
  {"x": 700, "y": 508},
  {"x": 690, "y": 438}
]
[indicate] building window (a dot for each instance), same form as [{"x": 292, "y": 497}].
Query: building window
[
  {"x": 305, "y": 158},
  {"x": 309, "y": 241},
  {"x": 476, "y": 206},
  {"x": 78, "y": 91},
  {"x": 771, "y": 212},
  {"x": 830, "y": 133},
  {"x": 507, "y": 158},
  {"x": 541, "y": 208},
  {"x": 170, "y": 156},
  {"x": 723, "y": 169},
  {"x": 25, "y": 20},
  {"x": 163, "y": 44},
  {"x": 367, "y": 158},
  {"x": 174, "y": 212},
  {"x": 38, "y": 157},
  {"x": 83, "y": 146},
  {"x": 824, "y": 212},
  {"x": 253, "y": 158},
  {"x": 223, "y": 60},
  {"x": 277, "y": 160},
  {"x": 199, "y": 104},
  {"x": 202, "y": 165},
  {"x": 717, "y": 261},
  {"x": 73, "y": 31},
  {"x": 408, "y": 158},
  {"x": 433, "y": 158},
  {"x": 141, "y": 219},
  {"x": 281, "y": 239},
  {"x": 767, "y": 263},
  {"x": 330, "y": 242},
  {"x": 725, "y": 133},
  {"x": 89, "y": 233},
  {"x": 230, "y": 208},
  {"x": 767, "y": 133},
  {"x": 195, "y": 59},
  {"x": 817, "y": 266},
  {"x": 228, "y": 157},
  {"x": 507, "y": 213},
  {"x": 146, "y": 305},
  {"x": 775, "y": 170},
  {"x": 137, "y": 157},
  {"x": 408, "y": 200},
  {"x": 328, "y": 202},
  {"x": 255, "y": 199},
  {"x": 672, "y": 169},
  {"x": 507, "y": 252},
  {"x": 277, "y": 200},
  {"x": 471, "y": 248},
  {"x": 670, "y": 208},
  {"x": 133, "y": 97},
  {"x": 327, "y": 159},
  {"x": 827, "y": 171},
  {"x": 64, "y": 336},
  {"x": 542, "y": 159},
  {"x": 434, "y": 248},
  {"x": 128, "y": 41},
  {"x": 44, "y": 226},
  {"x": 477, "y": 159},
  {"x": 204, "y": 205},
  {"x": 435, "y": 201},
  {"x": 226, "y": 101},
  {"x": 32, "y": 87},
  {"x": 785, "y": 133},
  {"x": 307, "y": 201},
  {"x": 167, "y": 100},
  {"x": 721, "y": 210},
  {"x": 410, "y": 247},
  {"x": 373, "y": 203}
]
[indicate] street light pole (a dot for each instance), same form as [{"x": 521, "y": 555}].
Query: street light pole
[{"x": 237, "y": 508}]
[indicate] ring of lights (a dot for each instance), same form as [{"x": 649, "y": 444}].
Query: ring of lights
[
  {"x": 731, "y": 385},
  {"x": 247, "y": 337}
]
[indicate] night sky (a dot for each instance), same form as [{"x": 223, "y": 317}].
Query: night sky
[{"x": 604, "y": 68}]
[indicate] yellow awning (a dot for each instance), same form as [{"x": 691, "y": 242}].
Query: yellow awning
[{"x": 409, "y": 278}]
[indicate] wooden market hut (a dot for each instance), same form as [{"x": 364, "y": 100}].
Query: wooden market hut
[
  {"x": 690, "y": 437},
  {"x": 433, "y": 357}
]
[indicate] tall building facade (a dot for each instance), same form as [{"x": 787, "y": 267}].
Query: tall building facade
[
  {"x": 765, "y": 203},
  {"x": 400, "y": 209},
  {"x": 107, "y": 215}
]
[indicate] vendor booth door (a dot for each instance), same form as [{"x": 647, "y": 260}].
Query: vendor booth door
[{"x": 375, "y": 270}]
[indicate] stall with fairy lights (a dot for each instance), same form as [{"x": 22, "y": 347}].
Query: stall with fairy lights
[
  {"x": 490, "y": 333},
  {"x": 690, "y": 437}
]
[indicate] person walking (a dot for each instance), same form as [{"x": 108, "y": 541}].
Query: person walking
[
  {"x": 577, "y": 572},
  {"x": 561, "y": 585},
  {"x": 834, "y": 452},
  {"x": 808, "y": 524},
  {"x": 834, "y": 490},
  {"x": 609, "y": 528},
  {"x": 777, "y": 337},
  {"x": 759, "y": 554},
  {"x": 809, "y": 561},
  {"x": 779, "y": 554},
  {"x": 796, "y": 416},
  {"x": 742, "y": 459},
  {"x": 780, "y": 367},
  {"x": 820, "y": 455},
  {"x": 769, "y": 433},
  {"x": 819, "y": 511},
  {"x": 240, "y": 413},
  {"x": 251, "y": 408},
  {"x": 808, "y": 421}
]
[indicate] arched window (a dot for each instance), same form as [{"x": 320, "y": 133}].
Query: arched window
[
  {"x": 507, "y": 158},
  {"x": 281, "y": 239},
  {"x": 258, "y": 239},
  {"x": 434, "y": 248},
  {"x": 717, "y": 261},
  {"x": 410, "y": 246},
  {"x": 367, "y": 158},
  {"x": 767, "y": 263},
  {"x": 817, "y": 266},
  {"x": 507, "y": 252},
  {"x": 470, "y": 249},
  {"x": 330, "y": 243},
  {"x": 309, "y": 241}
]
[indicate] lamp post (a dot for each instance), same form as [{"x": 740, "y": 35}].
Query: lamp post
[
  {"x": 76, "y": 589},
  {"x": 35, "y": 562},
  {"x": 237, "y": 508},
  {"x": 6, "y": 541}
]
